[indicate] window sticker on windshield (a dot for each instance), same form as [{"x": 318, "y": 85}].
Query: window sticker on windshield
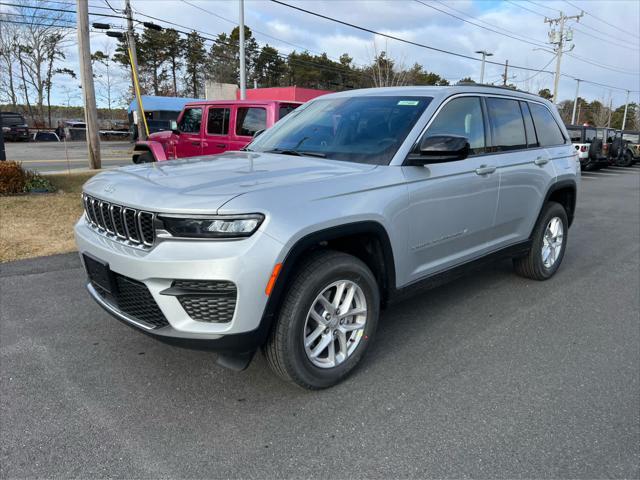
[{"x": 411, "y": 103}]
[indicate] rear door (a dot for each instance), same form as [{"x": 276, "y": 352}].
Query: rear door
[
  {"x": 526, "y": 168},
  {"x": 249, "y": 119},
  {"x": 452, "y": 204},
  {"x": 189, "y": 142},
  {"x": 216, "y": 137}
]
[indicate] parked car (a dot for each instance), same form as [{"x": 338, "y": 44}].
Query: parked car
[
  {"x": 353, "y": 201},
  {"x": 14, "y": 127},
  {"x": 45, "y": 136},
  {"x": 633, "y": 145},
  {"x": 588, "y": 146},
  {"x": 206, "y": 128}
]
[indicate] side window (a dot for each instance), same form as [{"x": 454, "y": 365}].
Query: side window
[
  {"x": 507, "y": 124},
  {"x": 590, "y": 135},
  {"x": 532, "y": 141},
  {"x": 218, "y": 121},
  {"x": 463, "y": 117},
  {"x": 286, "y": 109},
  {"x": 575, "y": 135},
  {"x": 249, "y": 120},
  {"x": 191, "y": 120},
  {"x": 549, "y": 132}
]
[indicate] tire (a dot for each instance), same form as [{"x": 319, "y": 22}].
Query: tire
[
  {"x": 146, "y": 157},
  {"x": 626, "y": 160},
  {"x": 285, "y": 348},
  {"x": 532, "y": 265}
]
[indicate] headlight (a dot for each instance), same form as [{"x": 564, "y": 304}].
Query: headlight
[{"x": 224, "y": 226}]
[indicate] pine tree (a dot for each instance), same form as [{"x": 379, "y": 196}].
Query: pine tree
[{"x": 194, "y": 62}]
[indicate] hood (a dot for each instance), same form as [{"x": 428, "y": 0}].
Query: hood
[
  {"x": 162, "y": 136},
  {"x": 204, "y": 184}
]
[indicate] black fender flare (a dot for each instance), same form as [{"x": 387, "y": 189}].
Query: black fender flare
[
  {"x": 560, "y": 185},
  {"x": 296, "y": 252}
]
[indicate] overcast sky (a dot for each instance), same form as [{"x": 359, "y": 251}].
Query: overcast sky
[{"x": 595, "y": 40}]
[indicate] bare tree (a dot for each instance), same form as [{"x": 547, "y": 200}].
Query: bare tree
[
  {"x": 107, "y": 77},
  {"x": 37, "y": 44},
  {"x": 384, "y": 70},
  {"x": 8, "y": 49}
]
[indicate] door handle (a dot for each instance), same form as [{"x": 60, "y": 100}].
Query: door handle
[
  {"x": 541, "y": 161},
  {"x": 195, "y": 142},
  {"x": 485, "y": 169},
  {"x": 221, "y": 145}
]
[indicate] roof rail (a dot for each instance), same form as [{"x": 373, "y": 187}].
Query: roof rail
[{"x": 501, "y": 87}]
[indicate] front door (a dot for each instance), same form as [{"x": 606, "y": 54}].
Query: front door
[
  {"x": 452, "y": 204},
  {"x": 189, "y": 142}
]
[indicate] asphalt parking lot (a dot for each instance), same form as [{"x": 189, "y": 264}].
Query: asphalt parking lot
[
  {"x": 52, "y": 157},
  {"x": 491, "y": 376}
]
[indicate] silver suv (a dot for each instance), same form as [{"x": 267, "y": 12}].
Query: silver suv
[{"x": 356, "y": 198}]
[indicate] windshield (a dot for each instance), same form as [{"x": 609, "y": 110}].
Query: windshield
[
  {"x": 356, "y": 129},
  {"x": 631, "y": 137}
]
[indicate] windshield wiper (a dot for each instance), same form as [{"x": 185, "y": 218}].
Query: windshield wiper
[{"x": 296, "y": 153}]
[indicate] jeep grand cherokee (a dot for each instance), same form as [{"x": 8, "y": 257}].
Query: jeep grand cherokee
[{"x": 295, "y": 245}]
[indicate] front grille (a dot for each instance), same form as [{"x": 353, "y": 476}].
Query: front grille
[
  {"x": 135, "y": 227},
  {"x": 212, "y": 301}
]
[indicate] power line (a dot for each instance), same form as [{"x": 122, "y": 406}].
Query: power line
[
  {"x": 592, "y": 35},
  {"x": 257, "y": 31},
  {"x": 477, "y": 25},
  {"x": 392, "y": 37},
  {"x": 601, "y": 20},
  {"x": 538, "y": 72},
  {"x": 544, "y": 6},
  {"x": 57, "y": 10},
  {"x": 602, "y": 65},
  {"x": 525, "y": 8}
]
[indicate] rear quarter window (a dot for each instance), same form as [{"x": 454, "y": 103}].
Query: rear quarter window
[
  {"x": 549, "y": 133},
  {"x": 250, "y": 120},
  {"x": 286, "y": 109}
]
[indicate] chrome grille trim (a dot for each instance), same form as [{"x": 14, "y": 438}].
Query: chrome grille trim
[{"x": 123, "y": 224}]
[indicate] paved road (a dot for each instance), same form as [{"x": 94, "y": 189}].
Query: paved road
[
  {"x": 492, "y": 376},
  {"x": 52, "y": 157}
]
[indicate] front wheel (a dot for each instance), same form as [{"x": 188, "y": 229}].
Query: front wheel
[
  {"x": 549, "y": 241},
  {"x": 326, "y": 322}
]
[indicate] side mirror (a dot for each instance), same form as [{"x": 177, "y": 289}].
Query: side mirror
[
  {"x": 174, "y": 127},
  {"x": 441, "y": 148},
  {"x": 258, "y": 133}
]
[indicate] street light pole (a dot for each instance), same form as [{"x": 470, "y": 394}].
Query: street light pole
[
  {"x": 575, "y": 103},
  {"x": 243, "y": 73},
  {"x": 626, "y": 106},
  {"x": 484, "y": 54}
]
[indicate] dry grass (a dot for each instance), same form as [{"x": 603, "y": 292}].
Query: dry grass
[{"x": 36, "y": 225}]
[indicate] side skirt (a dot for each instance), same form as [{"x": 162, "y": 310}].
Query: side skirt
[{"x": 441, "y": 278}]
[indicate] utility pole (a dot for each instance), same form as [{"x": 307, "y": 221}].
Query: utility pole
[
  {"x": 504, "y": 76},
  {"x": 484, "y": 54},
  {"x": 88, "y": 90},
  {"x": 131, "y": 40},
  {"x": 558, "y": 38},
  {"x": 3, "y": 155},
  {"x": 243, "y": 72},
  {"x": 610, "y": 105},
  {"x": 626, "y": 106},
  {"x": 575, "y": 102}
]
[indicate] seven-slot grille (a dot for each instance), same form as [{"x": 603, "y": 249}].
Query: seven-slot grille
[{"x": 123, "y": 223}]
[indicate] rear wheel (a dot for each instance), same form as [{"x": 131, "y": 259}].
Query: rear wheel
[
  {"x": 326, "y": 322},
  {"x": 626, "y": 160},
  {"x": 549, "y": 240}
]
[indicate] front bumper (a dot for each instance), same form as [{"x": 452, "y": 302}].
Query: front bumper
[{"x": 247, "y": 263}]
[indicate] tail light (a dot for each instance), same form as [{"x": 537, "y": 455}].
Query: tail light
[{"x": 583, "y": 148}]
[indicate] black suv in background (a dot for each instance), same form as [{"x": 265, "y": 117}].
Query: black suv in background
[{"x": 14, "y": 127}]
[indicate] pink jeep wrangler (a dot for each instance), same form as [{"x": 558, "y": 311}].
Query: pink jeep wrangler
[{"x": 210, "y": 127}]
